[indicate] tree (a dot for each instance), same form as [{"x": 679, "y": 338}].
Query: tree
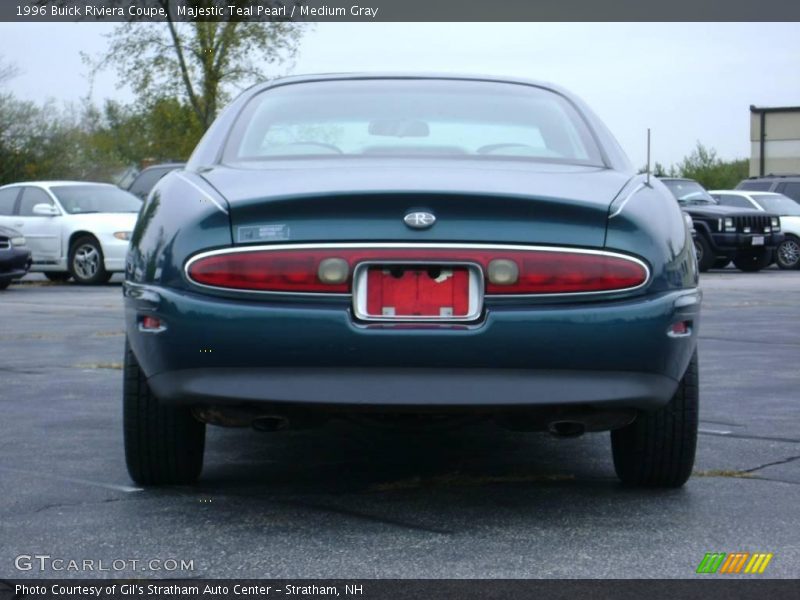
[
  {"x": 7, "y": 71},
  {"x": 36, "y": 142},
  {"x": 704, "y": 166},
  {"x": 166, "y": 130},
  {"x": 711, "y": 172},
  {"x": 198, "y": 62},
  {"x": 660, "y": 170}
]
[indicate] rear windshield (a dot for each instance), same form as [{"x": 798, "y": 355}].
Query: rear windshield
[
  {"x": 80, "y": 199},
  {"x": 778, "y": 204},
  {"x": 414, "y": 118},
  {"x": 755, "y": 186},
  {"x": 688, "y": 192}
]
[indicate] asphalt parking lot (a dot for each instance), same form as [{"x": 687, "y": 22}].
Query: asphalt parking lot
[{"x": 347, "y": 501}]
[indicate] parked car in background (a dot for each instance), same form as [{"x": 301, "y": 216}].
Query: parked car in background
[
  {"x": 724, "y": 234},
  {"x": 73, "y": 228},
  {"x": 787, "y": 254},
  {"x": 147, "y": 178},
  {"x": 15, "y": 257},
  {"x": 384, "y": 246},
  {"x": 788, "y": 185}
]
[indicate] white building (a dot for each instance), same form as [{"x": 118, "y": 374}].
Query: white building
[{"x": 774, "y": 140}]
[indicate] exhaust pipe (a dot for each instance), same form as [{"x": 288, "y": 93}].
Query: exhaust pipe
[
  {"x": 270, "y": 423},
  {"x": 566, "y": 428}
]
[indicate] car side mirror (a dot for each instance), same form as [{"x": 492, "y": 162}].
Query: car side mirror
[{"x": 45, "y": 210}]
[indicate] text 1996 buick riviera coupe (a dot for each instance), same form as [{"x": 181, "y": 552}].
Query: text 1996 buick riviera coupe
[{"x": 433, "y": 245}]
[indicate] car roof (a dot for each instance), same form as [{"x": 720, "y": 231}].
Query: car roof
[
  {"x": 405, "y": 75},
  {"x": 206, "y": 153},
  {"x": 745, "y": 192},
  {"x": 55, "y": 183}
]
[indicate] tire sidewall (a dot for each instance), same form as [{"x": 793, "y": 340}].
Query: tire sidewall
[
  {"x": 752, "y": 262},
  {"x": 658, "y": 448},
  {"x": 705, "y": 257},
  {"x": 100, "y": 276},
  {"x": 780, "y": 263}
]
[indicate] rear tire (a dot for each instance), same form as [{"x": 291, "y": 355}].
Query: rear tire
[
  {"x": 705, "y": 255},
  {"x": 58, "y": 276},
  {"x": 752, "y": 262},
  {"x": 163, "y": 444},
  {"x": 4, "y": 283},
  {"x": 658, "y": 448},
  {"x": 721, "y": 263},
  {"x": 787, "y": 255}
]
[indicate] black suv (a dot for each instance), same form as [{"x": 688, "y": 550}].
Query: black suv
[
  {"x": 746, "y": 237},
  {"x": 146, "y": 179},
  {"x": 788, "y": 185}
]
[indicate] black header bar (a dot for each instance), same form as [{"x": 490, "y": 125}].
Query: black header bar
[
  {"x": 398, "y": 10},
  {"x": 704, "y": 587}
]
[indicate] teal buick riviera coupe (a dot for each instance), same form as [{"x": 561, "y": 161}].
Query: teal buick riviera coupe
[{"x": 391, "y": 245}]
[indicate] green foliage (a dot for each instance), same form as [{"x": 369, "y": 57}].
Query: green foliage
[
  {"x": 181, "y": 74},
  {"x": 704, "y": 166},
  {"x": 45, "y": 142},
  {"x": 165, "y": 130},
  {"x": 38, "y": 142},
  {"x": 202, "y": 62}
]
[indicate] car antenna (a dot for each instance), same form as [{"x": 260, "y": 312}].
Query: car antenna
[{"x": 648, "y": 157}]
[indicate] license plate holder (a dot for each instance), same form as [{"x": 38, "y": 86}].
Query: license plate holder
[
  {"x": 757, "y": 240},
  {"x": 417, "y": 291}
]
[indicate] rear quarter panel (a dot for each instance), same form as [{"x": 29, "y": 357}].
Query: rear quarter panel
[
  {"x": 649, "y": 223},
  {"x": 176, "y": 220}
]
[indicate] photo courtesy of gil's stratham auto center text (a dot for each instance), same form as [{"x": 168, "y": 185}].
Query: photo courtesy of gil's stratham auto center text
[{"x": 399, "y": 300}]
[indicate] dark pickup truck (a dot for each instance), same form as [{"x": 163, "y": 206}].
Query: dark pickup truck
[{"x": 724, "y": 234}]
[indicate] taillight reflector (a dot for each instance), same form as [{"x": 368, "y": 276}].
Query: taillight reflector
[{"x": 297, "y": 269}]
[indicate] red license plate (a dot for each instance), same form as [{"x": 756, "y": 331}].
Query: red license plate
[{"x": 418, "y": 291}]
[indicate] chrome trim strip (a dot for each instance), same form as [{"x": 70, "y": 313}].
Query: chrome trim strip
[
  {"x": 691, "y": 298},
  {"x": 205, "y": 194},
  {"x": 414, "y": 246},
  {"x": 476, "y": 294},
  {"x": 625, "y": 201}
]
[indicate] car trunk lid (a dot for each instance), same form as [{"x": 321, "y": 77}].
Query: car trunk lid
[{"x": 366, "y": 200}]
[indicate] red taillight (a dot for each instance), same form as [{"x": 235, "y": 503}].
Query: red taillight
[
  {"x": 150, "y": 323},
  {"x": 540, "y": 271},
  {"x": 569, "y": 272},
  {"x": 267, "y": 270},
  {"x": 680, "y": 329}
]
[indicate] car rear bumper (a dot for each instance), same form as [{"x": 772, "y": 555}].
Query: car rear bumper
[
  {"x": 220, "y": 351},
  {"x": 398, "y": 387},
  {"x": 14, "y": 263},
  {"x": 736, "y": 242}
]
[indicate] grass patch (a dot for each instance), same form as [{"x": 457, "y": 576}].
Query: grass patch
[
  {"x": 724, "y": 473},
  {"x": 100, "y": 365}
]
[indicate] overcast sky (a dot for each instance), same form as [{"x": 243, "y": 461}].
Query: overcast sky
[{"x": 685, "y": 81}]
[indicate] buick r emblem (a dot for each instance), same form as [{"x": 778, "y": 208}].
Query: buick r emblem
[{"x": 419, "y": 220}]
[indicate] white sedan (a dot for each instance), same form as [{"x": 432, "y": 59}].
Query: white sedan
[
  {"x": 74, "y": 229},
  {"x": 787, "y": 254}
]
